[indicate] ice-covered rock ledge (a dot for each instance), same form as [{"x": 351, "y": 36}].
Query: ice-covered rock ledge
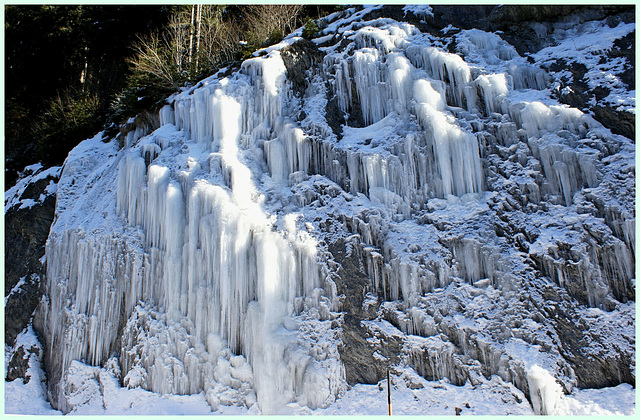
[{"x": 420, "y": 201}]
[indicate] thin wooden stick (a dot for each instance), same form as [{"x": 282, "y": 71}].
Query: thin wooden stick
[{"x": 389, "y": 390}]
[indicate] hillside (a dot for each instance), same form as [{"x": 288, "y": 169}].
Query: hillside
[{"x": 447, "y": 196}]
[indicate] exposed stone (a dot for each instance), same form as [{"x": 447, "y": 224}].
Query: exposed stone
[
  {"x": 19, "y": 364},
  {"x": 356, "y": 353},
  {"x": 619, "y": 122},
  {"x": 581, "y": 96},
  {"x": 26, "y": 232},
  {"x": 625, "y": 47},
  {"x": 145, "y": 122},
  {"x": 335, "y": 118},
  {"x": 578, "y": 346},
  {"x": 298, "y": 59}
]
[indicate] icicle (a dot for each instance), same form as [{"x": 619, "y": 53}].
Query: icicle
[
  {"x": 544, "y": 391},
  {"x": 130, "y": 187},
  {"x": 157, "y": 183},
  {"x": 343, "y": 85},
  {"x": 291, "y": 152},
  {"x": 456, "y": 152},
  {"x": 277, "y": 159},
  {"x": 424, "y": 92},
  {"x": 167, "y": 115},
  {"x": 493, "y": 49},
  {"x": 538, "y": 118},
  {"x": 527, "y": 77},
  {"x": 370, "y": 85},
  {"x": 269, "y": 76},
  {"x": 384, "y": 39},
  {"x": 399, "y": 80},
  {"x": 449, "y": 68},
  {"x": 494, "y": 88},
  {"x": 174, "y": 222}
]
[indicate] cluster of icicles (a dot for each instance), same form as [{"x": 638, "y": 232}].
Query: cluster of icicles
[{"x": 226, "y": 281}]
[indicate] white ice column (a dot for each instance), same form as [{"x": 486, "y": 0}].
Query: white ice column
[
  {"x": 370, "y": 81},
  {"x": 527, "y": 77},
  {"x": 565, "y": 170},
  {"x": 175, "y": 223},
  {"x": 267, "y": 76},
  {"x": 167, "y": 115},
  {"x": 276, "y": 157},
  {"x": 290, "y": 152},
  {"x": 131, "y": 181},
  {"x": 297, "y": 147},
  {"x": 455, "y": 151},
  {"x": 447, "y": 67},
  {"x": 544, "y": 390},
  {"x": 400, "y": 81},
  {"x": 494, "y": 88},
  {"x": 198, "y": 112},
  {"x": 343, "y": 85},
  {"x": 226, "y": 117},
  {"x": 430, "y": 92},
  {"x": 537, "y": 118},
  {"x": 155, "y": 208}
]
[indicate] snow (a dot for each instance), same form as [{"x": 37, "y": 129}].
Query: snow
[
  {"x": 343, "y": 21},
  {"x": 411, "y": 394},
  {"x": 200, "y": 251},
  {"x": 27, "y": 398},
  {"x": 30, "y": 174},
  {"x": 421, "y": 10},
  {"x": 583, "y": 43},
  {"x": 322, "y": 39},
  {"x": 599, "y": 402},
  {"x": 15, "y": 289}
]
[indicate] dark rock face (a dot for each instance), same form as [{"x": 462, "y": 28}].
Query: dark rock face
[
  {"x": 143, "y": 124},
  {"x": 20, "y": 306},
  {"x": 584, "y": 349},
  {"x": 356, "y": 353},
  {"x": 26, "y": 232},
  {"x": 298, "y": 59},
  {"x": 515, "y": 21},
  {"x": 19, "y": 364},
  {"x": 619, "y": 122},
  {"x": 335, "y": 118},
  {"x": 581, "y": 96}
]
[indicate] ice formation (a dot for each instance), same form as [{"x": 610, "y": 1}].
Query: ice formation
[{"x": 195, "y": 254}]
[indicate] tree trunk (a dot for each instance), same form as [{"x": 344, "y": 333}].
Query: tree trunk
[
  {"x": 83, "y": 73},
  {"x": 198, "y": 22},
  {"x": 191, "y": 34}
]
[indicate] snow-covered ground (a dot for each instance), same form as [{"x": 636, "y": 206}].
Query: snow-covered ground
[{"x": 97, "y": 392}]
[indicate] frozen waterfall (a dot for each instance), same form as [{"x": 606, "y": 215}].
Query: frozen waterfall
[
  {"x": 205, "y": 252},
  {"x": 195, "y": 255}
]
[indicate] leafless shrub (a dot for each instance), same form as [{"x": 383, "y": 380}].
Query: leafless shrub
[
  {"x": 198, "y": 39},
  {"x": 267, "y": 21}
]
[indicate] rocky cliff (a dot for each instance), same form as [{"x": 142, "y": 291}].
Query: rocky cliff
[{"x": 420, "y": 188}]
